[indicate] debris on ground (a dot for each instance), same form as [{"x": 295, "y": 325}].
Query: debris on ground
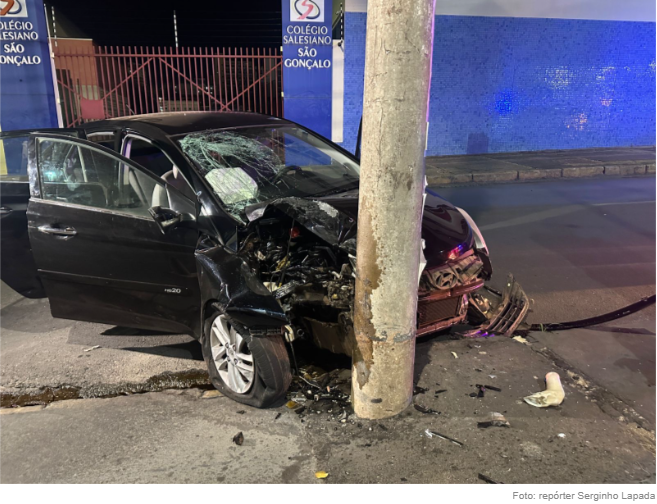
[
  {"x": 489, "y": 387},
  {"x": 578, "y": 380},
  {"x": 419, "y": 390},
  {"x": 238, "y": 439},
  {"x": 425, "y": 410},
  {"x": 438, "y": 392},
  {"x": 241, "y": 412},
  {"x": 496, "y": 420},
  {"x": 278, "y": 415},
  {"x": 315, "y": 392},
  {"x": 561, "y": 435},
  {"x": 553, "y": 395},
  {"x": 481, "y": 390},
  {"x": 485, "y": 478},
  {"x": 210, "y": 394},
  {"x": 429, "y": 433},
  {"x": 321, "y": 475},
  {"x": 522, "y": 340},
  {"x": 92, "y": 348},
  {"x": 455, "y": 355}
]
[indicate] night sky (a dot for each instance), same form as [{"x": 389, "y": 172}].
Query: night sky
[{"x": 201, "y": 23}]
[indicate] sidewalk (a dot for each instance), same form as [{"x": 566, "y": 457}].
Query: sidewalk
[
  {"x": 532, "y": 165},
  {"x": 185, "y": 436},
  {"x": 46, "y": 359}
]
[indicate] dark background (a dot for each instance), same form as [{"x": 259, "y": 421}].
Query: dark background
[{"x": 201, "y": 23}]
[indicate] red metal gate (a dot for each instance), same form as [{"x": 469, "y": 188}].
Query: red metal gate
[{"x": 102, "y": 82}]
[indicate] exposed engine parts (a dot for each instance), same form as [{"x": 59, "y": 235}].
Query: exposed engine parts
[
  {"x": 312, "y": 280},
  {"x": 314, "y": 283}
]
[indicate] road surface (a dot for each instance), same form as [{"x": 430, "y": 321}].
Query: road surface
[{"x": 578, "y": 247}]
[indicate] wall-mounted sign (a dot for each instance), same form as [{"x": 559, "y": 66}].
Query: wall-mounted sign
[
  {"x": 27, "y": 94},
  {"x": 307, "y": 61}
]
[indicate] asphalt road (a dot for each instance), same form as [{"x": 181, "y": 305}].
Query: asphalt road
[{"x": 578, "y": 247}]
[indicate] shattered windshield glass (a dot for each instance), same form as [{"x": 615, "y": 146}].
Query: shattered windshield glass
[{"x": 247, "y": 166}]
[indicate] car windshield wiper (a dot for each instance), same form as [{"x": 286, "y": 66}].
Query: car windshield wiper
[{"x": 350, "y": 187}]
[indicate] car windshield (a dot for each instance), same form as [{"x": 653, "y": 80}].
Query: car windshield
[{"x": 247, "y": 166}]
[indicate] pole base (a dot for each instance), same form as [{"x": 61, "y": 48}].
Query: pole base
[{"x": 386, "y": 388}]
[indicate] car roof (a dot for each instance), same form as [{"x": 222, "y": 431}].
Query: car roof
[{"x": 176, "y": 123}]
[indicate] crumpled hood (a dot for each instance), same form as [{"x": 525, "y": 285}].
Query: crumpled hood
[{"x": 333, "y": 219}]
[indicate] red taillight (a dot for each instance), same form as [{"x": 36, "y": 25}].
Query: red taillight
[{"x": 294, "y": 232}]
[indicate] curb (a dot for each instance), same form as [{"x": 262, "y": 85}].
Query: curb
[
  {"x": 15, "y": 397},
  {"x": 435, "y": 177}
]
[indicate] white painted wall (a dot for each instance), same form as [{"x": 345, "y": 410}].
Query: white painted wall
[
  {"x": 607, "y": 10},
  {"x": 337, "y": 103}
]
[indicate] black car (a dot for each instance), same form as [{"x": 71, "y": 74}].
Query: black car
[{"x": 236, "y": 228}]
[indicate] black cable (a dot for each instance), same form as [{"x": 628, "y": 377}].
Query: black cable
[{"x": 600, "y": 319}]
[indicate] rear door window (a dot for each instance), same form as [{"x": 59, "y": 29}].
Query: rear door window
[{"x": 13, "y": 158}]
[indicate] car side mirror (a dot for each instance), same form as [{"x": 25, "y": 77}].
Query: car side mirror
[{"x": 166, "y": 218}]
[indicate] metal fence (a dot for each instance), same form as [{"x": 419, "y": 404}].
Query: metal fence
[{"x": 102, "y": 82}]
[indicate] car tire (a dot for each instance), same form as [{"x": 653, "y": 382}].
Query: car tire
[{"x": 271, "y": 375}]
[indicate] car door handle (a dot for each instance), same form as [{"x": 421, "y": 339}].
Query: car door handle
[
  {"x": 67, "y": 231},
  {"x": 5, "y": 211}
]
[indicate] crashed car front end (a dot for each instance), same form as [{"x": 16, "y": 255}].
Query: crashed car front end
[
  {"x": 303, "y": 252},
  {"x": 297, "y": 245},
  {"x": 456, "y": 293}
]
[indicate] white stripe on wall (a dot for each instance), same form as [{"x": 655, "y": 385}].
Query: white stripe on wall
[
  {"x": 337, "y": 103},
  {"x": 604, "y": 10}
]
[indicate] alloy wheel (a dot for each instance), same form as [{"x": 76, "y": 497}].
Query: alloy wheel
[{"x": 231, "y": 356}]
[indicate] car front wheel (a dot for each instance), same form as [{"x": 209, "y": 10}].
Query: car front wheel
[{"x": 250, "y": 370}]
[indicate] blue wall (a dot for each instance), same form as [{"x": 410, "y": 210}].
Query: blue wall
[
  {"x": 355, "y": 24},
  {"x": 27, "y": 94},
  {"x": 512, "y": 84}
]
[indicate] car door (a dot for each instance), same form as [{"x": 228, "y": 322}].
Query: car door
[
  {"x": 99, "y": 252},
  {"x": 17, "y": 267}
]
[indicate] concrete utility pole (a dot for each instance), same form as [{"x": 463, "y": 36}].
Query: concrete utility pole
[{"x": 397, "y": 76}]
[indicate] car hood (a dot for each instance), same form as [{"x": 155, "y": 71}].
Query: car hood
[{"x": 333, "y": 219}]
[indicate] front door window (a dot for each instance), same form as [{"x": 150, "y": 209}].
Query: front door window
[{"x": 82, "y": 175}]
